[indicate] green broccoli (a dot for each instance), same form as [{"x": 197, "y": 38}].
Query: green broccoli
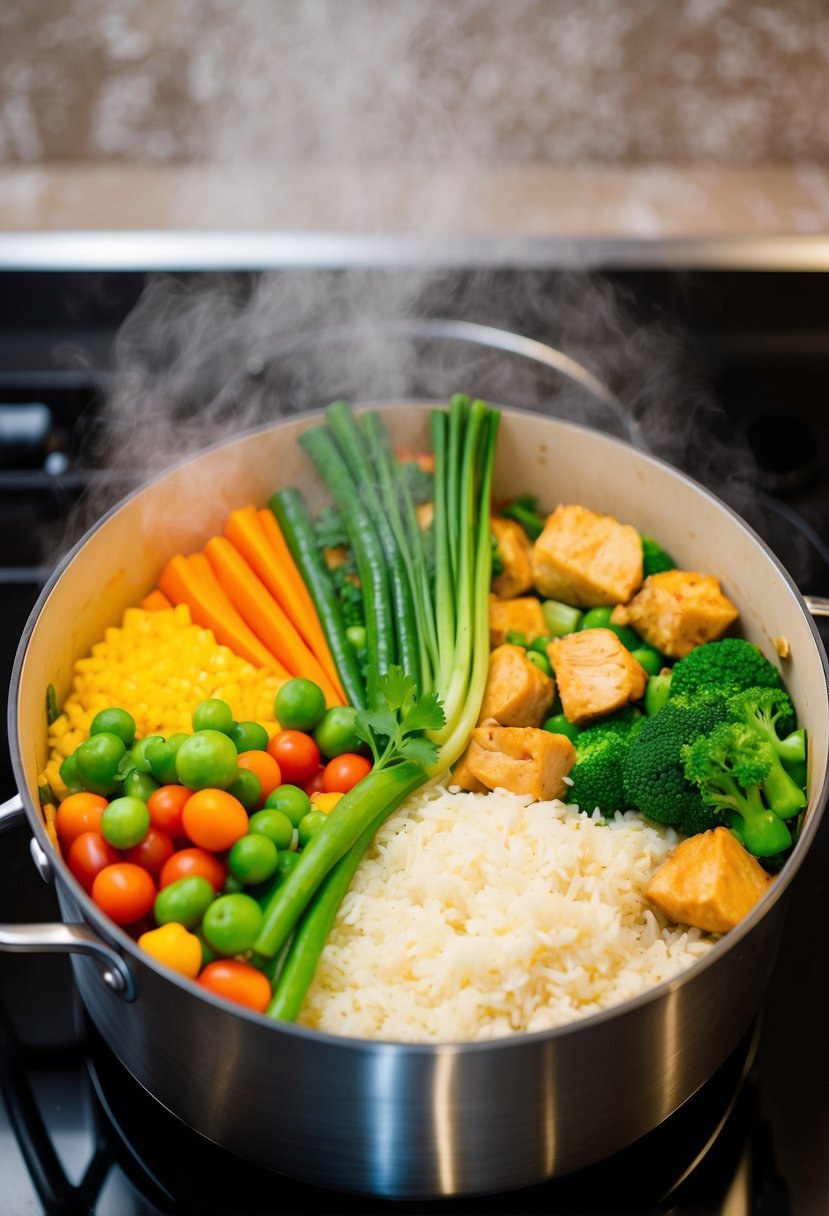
[
  {"x": 653, "y": 768},
  {"x": 598, "y": 774},
  {"x": 625, "y": 723},
  {"x": 770, "y": 711},
  {"x": 654, "y": 558},
  {"x": 728, "y": 666},
  {"x": 730, "y": 767}
]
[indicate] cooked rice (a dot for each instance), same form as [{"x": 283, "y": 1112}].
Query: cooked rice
[{"x": 475, "y": 916}]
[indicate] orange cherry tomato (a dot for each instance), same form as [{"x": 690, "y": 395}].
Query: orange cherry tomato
[
  {"x": 186, "y": 862},
  {"x": 296, "y": 754},
  {"x": 263, "y": 766},
  {"x": 214, "y": 819},
  {"x": 237, "y": 982},
  {"x": 165, "y": 806},
  {"x": 79, "y": 813},
  {"x": 124, "y": 891},
  {"x": 154, "y": 850},
  {"x": 343, "y": 772},
  {"x": 88, "y": 854}
]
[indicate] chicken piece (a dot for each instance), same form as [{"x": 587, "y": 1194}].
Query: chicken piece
[
  {"x": 710, "y": 881},
  {"x": 587, "y": 559},
  {"x": 515, "y": 551},
  {"x": 517, "y": 693},
  {"x": 522, "y": 615},
  {"x": 425, "y": 513},
  {"x": 521, "y": 759},
  {"x": 595, "y": 674},
  {"x": 678, "y": 610},
  {"x": 462, "y": 776}
]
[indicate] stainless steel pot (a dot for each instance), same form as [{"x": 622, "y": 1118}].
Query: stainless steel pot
[{"x": 387, "y": 1118}]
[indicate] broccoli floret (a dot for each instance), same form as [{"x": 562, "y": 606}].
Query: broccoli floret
[
  {"x": 624, "y": 723},
  {"x": 728, "y": 666},
  {"x": 654, "y": 558},
  {"x": 598, "y": 775},
  {"x": 653, "y": 769},
  {"x": 770, "y": 711},
  {"x": 730, "y": 767}
]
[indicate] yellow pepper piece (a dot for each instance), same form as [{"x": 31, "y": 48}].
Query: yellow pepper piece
[
  {"x": 173, "y": 946},
  {"x": 324, "y": 802}
]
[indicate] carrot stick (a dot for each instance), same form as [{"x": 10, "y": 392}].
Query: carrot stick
[
  {"x": 281, "y": 559},
  {"x": 257, "y": 607},
  {"x": 191, "y": 581},
  {"x": 156, "y": 601}
]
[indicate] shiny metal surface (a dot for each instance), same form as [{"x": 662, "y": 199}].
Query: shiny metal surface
[
  {"x": 817, "y": 605},
  {"x": 423, "y": 1120},
  {"x": 71, "y": 938}
]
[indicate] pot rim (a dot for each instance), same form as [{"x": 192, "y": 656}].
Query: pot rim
[{"x": 114, "y": 933}]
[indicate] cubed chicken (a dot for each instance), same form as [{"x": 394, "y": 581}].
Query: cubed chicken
[
  {"x": 515, "y": 552},
  {"x": 710, "y": 882},
  {"x": 520, "y": 759},
  {"x": 517, "y": 693},
  {"x": 595, "y": 674},
  {"x": 463, "y": 777},
  {"x": 587, "y": 559},
  {"x": 425, "y": 513},
  {"x": 678, "y": 610},
  {"x": 521, "y": 616}
]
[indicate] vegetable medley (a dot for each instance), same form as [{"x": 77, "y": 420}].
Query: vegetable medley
[{"x": 411, "y": 628}]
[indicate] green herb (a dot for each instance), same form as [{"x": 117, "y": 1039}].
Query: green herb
[
  {"x": 497, "y": 560},
  {"x": 394, "y": 730},
  {"x": 329, "y": 529},
  {"x": 419, "y": 483},
  {"x": 52, "y": 708},
  {"x": 525, "y": 512}
]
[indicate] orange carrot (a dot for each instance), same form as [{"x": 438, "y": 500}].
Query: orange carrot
[
  {"x": 257, "y": 607},
  {"x": 191, "y": 581},
  {"x": 276, "y": 568},
  {"x": 156, "y": 601}
]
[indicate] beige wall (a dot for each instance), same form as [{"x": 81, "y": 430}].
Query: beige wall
[{"x": 629, "y": 116}]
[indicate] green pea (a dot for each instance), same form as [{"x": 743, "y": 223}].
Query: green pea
[
  {"x": 310, "y": 825},
  {"x": 114, "y": 722},
  {"x": 558, "y": 725},
  {"x": 139, "y": 785},
  {"x": 247, "y": 788},
  {"x": 275, "y": 825},
  {"x": 97, "y": 761},
  {"x": 253, "y": 858},
  {"x": 248, "y": 737},
  {"x": 540, "y": 661},
  {"x": 125, "y": 822},
  {"x": 291, "y": 801},
  {"x": 231, "y": 923},
  {"x": 207, "y": 760},
  {"x": 515, "y": 638},
  {"x": 649, "y": 658},
  {"x": 356, "y": 635},
  {"x": 599, "y": 618},
  {"x": 540, "y": 645},
  {"x": 186, "y": 900},
  {"x": 299, "y": 705}
]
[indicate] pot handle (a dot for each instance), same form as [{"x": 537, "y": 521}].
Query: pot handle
[
  {"x": 817, "y": 605},
  {"x": 73, "y": 938}
]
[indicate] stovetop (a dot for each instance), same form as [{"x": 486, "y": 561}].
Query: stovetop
[{"x": 76, "y": 1134}]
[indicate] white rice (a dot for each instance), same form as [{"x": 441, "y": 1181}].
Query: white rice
[{"x": 475, "y": 916}]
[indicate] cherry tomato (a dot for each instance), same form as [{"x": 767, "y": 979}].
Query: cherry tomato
[
  {"x": 154, "y": 850},
  {"x": 248, "y": 789},
  {"x": 160, "y": 754},
  {"x": 238, "y": 982},
  {"x": 185, "y": 901},
  {"x": 124, "y": 892},
  {"x": 291, "y": 801},
  {"x": 336, "y": 732},
  {"x": 187, "y": 862},
  {"x": 299, "y": 704},
  {"x": 248, "y": 737},
  {"x": 207, "y": 760},
  {"x": 139, "y": 785},
  {"x": 214, "y": 819},
  {"x": 125, "y": 822},
  {"x": 314, "y": 786},
  {"x": 253, "y": 858},
  {"x": 173, "y": 946},
  {"x": 88, "y": 854},
  {"x": 97, "y": 761},
  {"x": 264, "y": 766},
  {"x": 79, "y": 813},
  {"x": 231, "y": 923},
  {"x": 165, "y": 806},
  {"x": 213, "y": 714},
  {"x": 114, "y": 722},
  {"x": 296, "y": 754},
  {"x": 343, "y": 772},
  {"x": 275, "y": 825}
]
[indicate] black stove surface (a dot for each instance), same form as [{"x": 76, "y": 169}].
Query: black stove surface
[{"x": 76, "y": 1133}]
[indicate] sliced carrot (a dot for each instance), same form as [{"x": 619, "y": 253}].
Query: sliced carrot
[
  {"x": 156, "y": 601},
  {"x": 257, "y": 607},
  {"x": 191, "y": 581},
  {"x": 275, "y": 566}
]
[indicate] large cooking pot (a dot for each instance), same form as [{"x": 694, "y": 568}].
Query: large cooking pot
[{"x": 388, "y": 1118}]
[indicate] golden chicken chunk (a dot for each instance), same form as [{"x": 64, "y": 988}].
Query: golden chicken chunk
[
  {"x": 710, "y": 882},
  {"x": 595, "y": 674},
  {"x": 515, "y": 551},
  {"x": 462, "y": 776},
  {"x": 678, "y": 610},
  {"x": 520, "y": 759},
  {"x": 522, "y": 615},
  {"x": 517, "y": 693},
  {"x": 587, "y": 559}
]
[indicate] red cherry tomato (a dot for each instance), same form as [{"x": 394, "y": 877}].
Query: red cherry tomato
[
  {"x": 153, "y": 851},
  {"x": 296, "y": 754},
  {"x": 165, "y": 806},
  {"x": 315, "y": 786},
  {"x": 263, "y": 766},
  {"x": 79, "y": 813},
  {"x": 88, "y": 854},
  {"x": 193, "y": 861},
  {"x": 343, "y": 772},
  {"x": 124, "y": 892},
  {"x": 237, "y": 982}
]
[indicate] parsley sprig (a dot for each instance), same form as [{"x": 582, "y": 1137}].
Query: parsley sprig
[{"x": 395, "y": 727}]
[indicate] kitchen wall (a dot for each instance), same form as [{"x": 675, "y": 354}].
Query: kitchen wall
[{"x": 611, "y": 117}]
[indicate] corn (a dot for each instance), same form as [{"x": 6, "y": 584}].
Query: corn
[{"x": 158, "y": 666}]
